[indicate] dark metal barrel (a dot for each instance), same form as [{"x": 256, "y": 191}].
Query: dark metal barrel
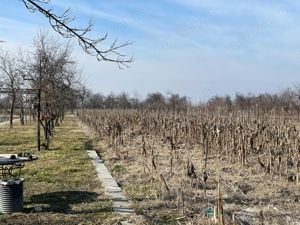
[{"x": 11, "y": 195}]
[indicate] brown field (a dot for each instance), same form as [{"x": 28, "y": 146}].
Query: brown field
[{"x": 252, "y": 161}]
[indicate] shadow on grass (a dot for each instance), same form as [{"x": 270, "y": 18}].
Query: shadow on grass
[
  {"x": 88, "y": 145},
  {"x": 61, "y": 202}
]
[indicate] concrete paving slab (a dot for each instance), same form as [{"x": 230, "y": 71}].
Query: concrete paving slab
[{"x": 120, "y": 202}]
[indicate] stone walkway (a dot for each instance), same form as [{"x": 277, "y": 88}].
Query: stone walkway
[{"x": 120, "y": 202}]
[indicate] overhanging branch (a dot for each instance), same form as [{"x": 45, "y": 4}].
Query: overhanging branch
[{"x": 61, "y": 24}]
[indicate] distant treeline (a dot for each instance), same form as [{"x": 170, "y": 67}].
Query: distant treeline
[
  {"x": 287, "y": 99},
  {"x": 124, "y": 101}
]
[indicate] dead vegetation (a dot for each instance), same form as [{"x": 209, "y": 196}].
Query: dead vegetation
[{"x": 197, "y": 167}]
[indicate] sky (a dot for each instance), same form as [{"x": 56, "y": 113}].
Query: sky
[{"x": 196, "y": 48}]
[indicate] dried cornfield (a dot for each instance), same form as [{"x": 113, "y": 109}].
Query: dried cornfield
[{"x": 181, "y": 167}]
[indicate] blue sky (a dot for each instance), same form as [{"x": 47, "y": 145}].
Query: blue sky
[{"x": 197, "y": 48}]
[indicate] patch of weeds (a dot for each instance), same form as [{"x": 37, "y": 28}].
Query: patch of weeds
[
  {"x": 118, "y": 170},
  {"x": 139, "y": 191},
  {"x": 245, "y": 188},
  {"x": 160, "y": 214}
]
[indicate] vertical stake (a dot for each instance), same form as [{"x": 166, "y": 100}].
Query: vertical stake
[{"x": 38, "y": 119}]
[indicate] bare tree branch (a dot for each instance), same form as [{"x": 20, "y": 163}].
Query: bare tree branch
[{"x": 61, "y": 24}]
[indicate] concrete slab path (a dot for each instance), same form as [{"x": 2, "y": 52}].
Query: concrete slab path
[{"x": 120, "y": 202}]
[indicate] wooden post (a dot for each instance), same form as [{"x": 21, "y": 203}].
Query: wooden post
[{"x": 38, "y": 120}]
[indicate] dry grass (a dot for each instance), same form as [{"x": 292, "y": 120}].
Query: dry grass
[
  {"x": 62, "y": 181},
  {"x": 166, "y": 195},
  {"x": 242, "y": 188}
]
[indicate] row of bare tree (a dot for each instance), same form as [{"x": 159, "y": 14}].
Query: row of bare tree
[
  {"x": 47, "y": 75},
  {"x": 286, "y": 100},
  {"x": 124, "y": 101}
]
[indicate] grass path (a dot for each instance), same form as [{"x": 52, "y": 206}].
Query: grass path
[{"x": 62, "y": 181}]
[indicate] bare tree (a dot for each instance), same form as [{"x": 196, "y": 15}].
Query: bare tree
[
  {"x": 177, "y": 102},
  {"x": 155, "y": 101},
  {"x": 4, "y": 106},
  {"x": 62, "y": 25},
  {"x": 10, "y": 79},
  {"x": 55, "y": 72},
  {"x": 83, "y": 95},
  {"x": 110, "y": 101},
  {"x": 220, "y": 103},
  {"x": 51, "y": 71},
  {"x": 96, "y": 101}
]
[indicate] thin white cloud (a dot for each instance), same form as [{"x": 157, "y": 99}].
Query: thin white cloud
[
  {"x": 212, "y": 47},
  {"x": 9, "y": 23},
  {"x": 164, "y": 36},
  {"x": 16, "y": 34}
]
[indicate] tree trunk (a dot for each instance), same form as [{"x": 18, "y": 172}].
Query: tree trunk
[
  {"x": 22, "y": 119},
  {"x": 12, "y": 106}
]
